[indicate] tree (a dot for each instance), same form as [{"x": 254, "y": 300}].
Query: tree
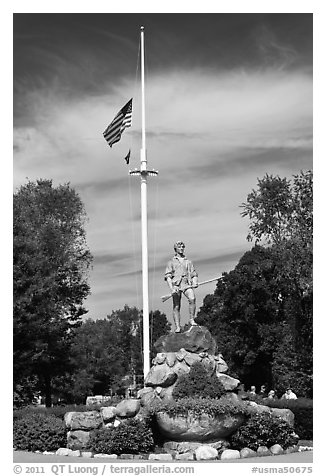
[
  {"x": 244, "y": 314},
  {"x": 159, "y": 326},
  {"x": 269, "y": 293},
  {"x": 97, "y": 358},
  {"x": 51, "y": 262},
  {"x": 279, "y": 210},
  {"x": 282, "y": 213},
  {"x": 107, "y": 353}
]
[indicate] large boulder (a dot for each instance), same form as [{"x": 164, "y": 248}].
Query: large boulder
[
  {"x": 108, "y": 413},
  {"x": 221, "y": 365},
  {"x": 203, "y": 428},
  {"x": 257, "y": 409},
  {"x": 229, "y": 383},
  {"x": 77, "y": 439},
  {"x": 146, "y": 396},
  {"x": 197, "y": 339},
  {"x": 83, "y": 420},
  {"x": 160, "y": 375},
  {"x": 285, "y": 413},
  {"x": 189, "y": 446},
  {"x": 128, "y": 408}
]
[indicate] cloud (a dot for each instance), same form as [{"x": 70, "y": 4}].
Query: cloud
[{"x": 210, "y": 135}]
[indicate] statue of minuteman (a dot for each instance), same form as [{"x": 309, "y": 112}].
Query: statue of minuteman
[{"x": 181, "y": 277}]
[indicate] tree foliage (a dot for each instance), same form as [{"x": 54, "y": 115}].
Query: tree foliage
[
  {"x": 51, "y": 261},
  {"x": 107, "y": 353},
  {"x": 279, "y": 210},
  {"x": 261, "y": 312}
]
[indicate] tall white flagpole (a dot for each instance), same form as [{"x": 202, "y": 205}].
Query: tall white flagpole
[
  {"x": 144, "y": 172},
  {"x": 143, "y": 187}
]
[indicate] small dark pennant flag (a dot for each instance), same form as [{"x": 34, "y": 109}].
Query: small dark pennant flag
[
  {"x": 112, "y": 133},
  {"x": 127, "y": 157}
]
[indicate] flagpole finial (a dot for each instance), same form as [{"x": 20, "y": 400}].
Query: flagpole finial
[{"x": 142, "y": 28}]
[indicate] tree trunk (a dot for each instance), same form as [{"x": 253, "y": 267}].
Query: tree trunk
[{"x": 48, "y": 396}]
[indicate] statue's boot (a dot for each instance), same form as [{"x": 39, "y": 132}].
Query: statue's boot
[
  {"x": 192, "y": 312},
  {"x": 177, "y": 323}
]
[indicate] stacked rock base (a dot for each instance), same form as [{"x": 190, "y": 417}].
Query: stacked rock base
[
  {"x": 179, "y": 451},
  {"x": 176, "y": 353},
  {"x": 185, "y": 437}
]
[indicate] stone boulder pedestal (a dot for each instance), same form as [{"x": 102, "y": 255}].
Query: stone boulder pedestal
[
  {"x": 202, "y": 428},
  {"x": 197, "y": 339}
]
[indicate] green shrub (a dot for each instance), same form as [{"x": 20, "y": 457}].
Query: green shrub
[
  {"x": 129, "y": 437},
  {"x": 58, "y": 411},
  {"x": 198, "y": 406},
  {"x": 39, "y": 432},
  {"x": 198, "y": 383},
  {"x": 303, "y": 414},
  {"x": 263, "y": 430}
]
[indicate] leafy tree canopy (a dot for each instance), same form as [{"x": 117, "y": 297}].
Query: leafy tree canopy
[
  {"x": 261, "y": 312},
  {"x": 51, "y": 262}
]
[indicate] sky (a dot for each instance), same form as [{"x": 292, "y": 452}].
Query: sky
[{"x": 229, "y": 98}]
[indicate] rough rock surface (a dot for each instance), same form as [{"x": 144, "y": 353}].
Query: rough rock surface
[
  {"x": 86, "y": 454},
  {"x": 104, "y": 455},
  {"x": 160, "y": 375},
  {"x": 128, "y": 408},
  {"x": 108, "y": 413},
  {"x": 276, "y": 449},
  {"x": 196, "y": 339},
  {"x": 185, "y": 456},
  {"x": 230, "y": 454},
  {"x": 229, "y": 383},
  {"x": 190, "y": 446},
  {"x": 160, "y": 457},
  {"x": 255, "y": 408},
  {"x": 263, "y": 451},
  {"x": 247, "y": 453},
  {"x": 285, "y": 413},
  {"x": 205, "y": 428},
  {"x": 63, "y": 452},
  {"x": 83, "y": 420},
  {"x": 77, "y": 439},
  {"x": 176, "y": 353},
  {"x": 205, "y": 452},
  {"x": 291, "y": 449}
]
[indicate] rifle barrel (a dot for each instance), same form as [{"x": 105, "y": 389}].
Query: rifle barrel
[{"x": 168, "y": 296}]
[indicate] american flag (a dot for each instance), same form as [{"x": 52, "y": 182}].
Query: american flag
[{"x": 112, "y": 133}]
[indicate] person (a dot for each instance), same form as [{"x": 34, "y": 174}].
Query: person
[
  {"x": 262, "y": 392},
  {"x": 252, "y": 390},
  {"x": 181, "y": 277},
  {"x": 271, "y": 395},
  {"x": 289, "y": 395}
]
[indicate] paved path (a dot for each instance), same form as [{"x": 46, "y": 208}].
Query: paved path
[{"x": 28, "y": 457}]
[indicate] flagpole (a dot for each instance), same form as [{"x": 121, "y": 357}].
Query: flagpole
[
  {"x": 143, "y": 169},
  {"x": 144, "y": 172}
]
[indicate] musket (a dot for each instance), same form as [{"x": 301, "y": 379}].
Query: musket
[{"x": 168, "y": 296}]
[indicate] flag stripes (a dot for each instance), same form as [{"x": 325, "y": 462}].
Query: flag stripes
[{"x": 112, "y": 133}]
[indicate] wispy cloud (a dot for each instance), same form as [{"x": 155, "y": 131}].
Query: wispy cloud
[{"x": 211, "y": 132}]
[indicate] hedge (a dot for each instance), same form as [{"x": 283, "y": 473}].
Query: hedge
[{"x": 39, "y": 432}]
